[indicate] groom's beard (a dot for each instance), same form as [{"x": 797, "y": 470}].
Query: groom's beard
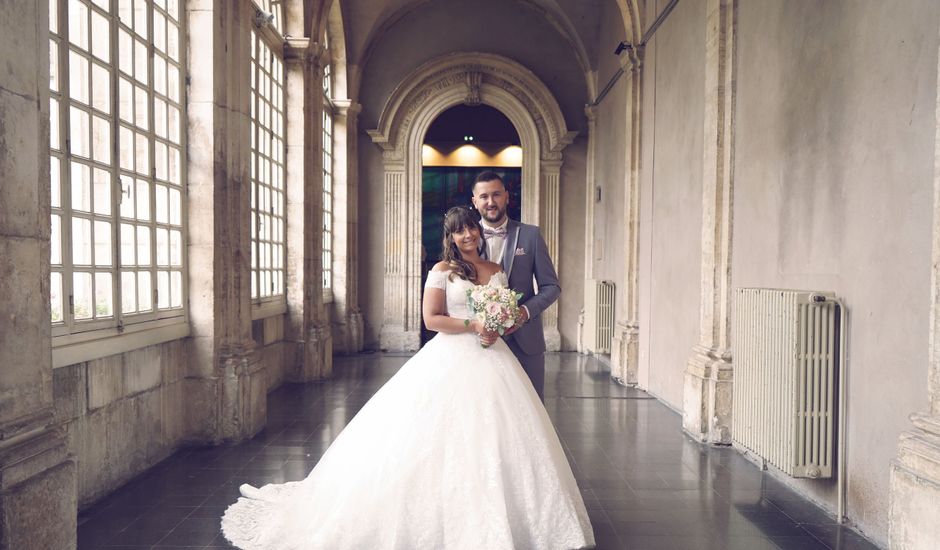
[{"x": 500, "y": 215}]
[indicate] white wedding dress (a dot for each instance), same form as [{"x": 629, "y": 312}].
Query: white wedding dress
[{"x": 454, "y": 452}]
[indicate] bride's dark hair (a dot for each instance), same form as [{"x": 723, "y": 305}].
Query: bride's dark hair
[{"x": 456, "y": 219}]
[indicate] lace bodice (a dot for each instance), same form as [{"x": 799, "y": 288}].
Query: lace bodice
[{"x": 456, "y": 290}]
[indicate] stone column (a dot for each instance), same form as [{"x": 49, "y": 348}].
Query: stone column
[
  {"x": 915, "y": 474},
  {"x": 225, "y": 384},
  {"x": 37, "y": 475},
  {"x": 707, "y": 393},
  {"x": 308, "y": 326},
  {"x": 401, "y": 327},
  {"x": 590, "y": 111},
  {"x": 550, "y": 175},
  {"x": 346, "y": 227},
  {"x": 625, "y": 345}
]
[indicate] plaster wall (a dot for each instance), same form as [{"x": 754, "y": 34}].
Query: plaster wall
[
  {"x": 671, "y": 199},
  {"x": 833, "y": 191},
  {"x": 612, "y": 156}
]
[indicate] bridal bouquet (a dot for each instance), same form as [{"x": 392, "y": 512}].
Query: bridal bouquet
[{"x": 496, "y": 307}]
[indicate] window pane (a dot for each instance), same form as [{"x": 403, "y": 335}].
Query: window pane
[
  {"x": 159, "y": 75},
  {"x": 162, "y": 214},
  {"x": 174, "y": 165},
  {"x": 128, "y": 245},
  {"x": 81, "y": 187},
  {"x": 82, "y": 295},
  {"x": 143, "y": 200},
  {"x": 176, "y": 289},
  {"x": 101, "y": 88},
  {"x": 142, "y": 155},
  {"x": 174, "y": 124},
  {"x": 172, "y": 40},
  {"x": 78, "y": 77},
  {"x": 55, "y": 256},
  {"x": 54, "y": 16},
  {"x": 125, "y": 51},
  {"x": 103, "y": 244},
  {"x": 53, "y": 66},
  {"x": 163, "y": 289},
  {"x": 126, "y": 146},
  {"x": 128, "y": 292},
  {"x": 126, "y": 12},
  {"x": 101, "y": 140},
  {"x": 176, "y": 248},
  {"x": 127, "y": 197},
  {"x": 55, "y": 295},
  {"x": 144, "y": 291},
  {"x": 55, "y": 182},
  {"x": 173, "y": 83},
  {"x": 141, "y": 112},
  {"x": 163, "y": 247},
  {"x": 175, "y": 207},
  {"x": 160, "y": 161},
  {"x": 143, "y": 245},
  {"x": 79, "y": 132},
  {"x": 159, "y": 31},
  {"x": 102, "y": 192},
  {"x": 100, "y": 37},
  {"x": 159, "y": 117},
  {"x": 140, "y": 62},
  {"x": 81, "y": 241},
  {"x": 54, "y": 124},
  {"x": 78, "y": 24},
  {"x": 104, "y": 297},
  {"x": 140, "y": 18}
]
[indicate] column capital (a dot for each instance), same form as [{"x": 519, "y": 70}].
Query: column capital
[{"x": 347, "y": 108}]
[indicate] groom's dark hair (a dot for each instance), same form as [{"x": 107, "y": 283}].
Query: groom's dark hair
[{"x": 488, "y": 175}]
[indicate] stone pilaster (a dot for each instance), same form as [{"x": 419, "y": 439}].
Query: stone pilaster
[
  {"x": 37, "y": 476},
  {"x": 590, "y": 111},
  {"x": 550, "y": 171},
  {"x": 708, "y": 376},
  {"x": 349, "y": 324},
  {"x": 225, "y": 384},
  {"x": 401, "y": 327},
  {"x": 308, "y": 327},
  {"x": 915, "y": 474},
  {"x": 625, "y": 344}
]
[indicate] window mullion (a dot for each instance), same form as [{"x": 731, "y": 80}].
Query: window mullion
[
  {"x": 65, "y": 170},
  {"x": 117, "y": 194}
]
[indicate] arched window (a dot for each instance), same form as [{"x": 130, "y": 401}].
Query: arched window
[
  {"x": 268, "y": 216},
  {"x": 327, "y": 178},
  {"x": 116, "y": 165}
]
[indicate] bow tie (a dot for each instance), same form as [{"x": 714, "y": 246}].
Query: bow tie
[{"x": 498, "y": 232}]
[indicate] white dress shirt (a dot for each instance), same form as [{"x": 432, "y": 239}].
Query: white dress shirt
[{"x": 494, "y": 244}]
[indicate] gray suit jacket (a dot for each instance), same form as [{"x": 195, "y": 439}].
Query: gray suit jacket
[{"x": 526, "y": 255}]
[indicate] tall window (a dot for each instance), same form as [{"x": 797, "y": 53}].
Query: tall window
[
  {"x": 116, "y": 142},
  {"x": 327, "y": 179},
  {"x": 268, "y": 238}
]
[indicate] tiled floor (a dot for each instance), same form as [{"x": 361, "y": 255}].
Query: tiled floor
[{"x": 645, "y": 484}]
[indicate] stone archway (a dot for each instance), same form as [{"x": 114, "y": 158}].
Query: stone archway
[{"x": 470, "y": 78}]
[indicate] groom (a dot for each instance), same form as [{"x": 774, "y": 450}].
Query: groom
[{"x": 522, "y": 252}]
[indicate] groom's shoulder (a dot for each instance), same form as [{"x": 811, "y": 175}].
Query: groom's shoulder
[{"x": 528, "y": 228}]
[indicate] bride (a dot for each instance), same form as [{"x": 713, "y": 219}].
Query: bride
[{"x": 455, "y": 451}]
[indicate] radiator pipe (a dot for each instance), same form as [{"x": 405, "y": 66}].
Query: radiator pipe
[
  {"x": 632, "y": 49},
  {"x": 840, "y": 467}
]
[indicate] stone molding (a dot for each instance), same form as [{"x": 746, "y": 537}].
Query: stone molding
[
  {"x": 707, "y": 388},
  {"x": 461, "y": 78}
]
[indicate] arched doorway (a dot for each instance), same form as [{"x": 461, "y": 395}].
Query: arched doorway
[
  {"x": 470, "y": 79},
  {"x": 462, "y": 142}
]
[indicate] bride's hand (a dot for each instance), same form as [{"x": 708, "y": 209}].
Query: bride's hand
[{"x": 487, "y": 337}]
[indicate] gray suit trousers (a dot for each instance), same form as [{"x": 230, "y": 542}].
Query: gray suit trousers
[{"x": 533, "y": 365}]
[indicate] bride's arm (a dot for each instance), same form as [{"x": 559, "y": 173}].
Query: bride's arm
[
  {"x": 437, "y": 320},
  {"x": 434, "y": 309}
]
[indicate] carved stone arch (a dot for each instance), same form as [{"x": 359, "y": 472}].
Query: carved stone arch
[{"x": 470, "y": 78}]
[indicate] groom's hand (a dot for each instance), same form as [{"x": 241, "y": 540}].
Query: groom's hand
[{"x": 521, "y": 320}]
